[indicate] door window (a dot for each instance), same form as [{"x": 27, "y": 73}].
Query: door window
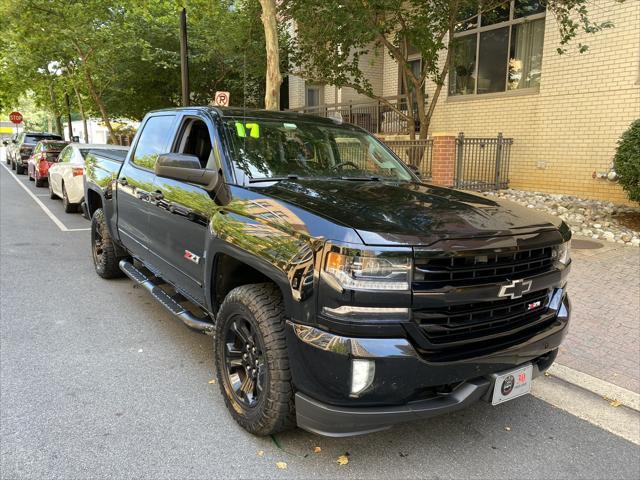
[
  {"x": 153, "y": 141},
  {"x": 195, "y": 140}
]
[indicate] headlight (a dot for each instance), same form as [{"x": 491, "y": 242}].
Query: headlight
[
  {"x": 562, "y": 253},
  {"x": 364, "y": 269}
]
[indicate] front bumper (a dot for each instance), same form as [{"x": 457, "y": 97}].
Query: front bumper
[{"x": 406, "y": 387}]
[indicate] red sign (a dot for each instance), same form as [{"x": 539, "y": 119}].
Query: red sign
[
  {"x": 221, "y": 99},
  {"x": 15, "y": 117}
]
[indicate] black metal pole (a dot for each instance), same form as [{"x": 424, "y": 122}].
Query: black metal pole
[
  {"x": 66, "y": 100},
  {"x": 184, "y": 58}
]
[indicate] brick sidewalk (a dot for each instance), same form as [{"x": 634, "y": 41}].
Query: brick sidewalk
[{"x": 604, "y": 334}]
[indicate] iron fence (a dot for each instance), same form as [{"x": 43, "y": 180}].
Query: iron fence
[
  {"x": 376, "y": 117},
  {"x": 482, "y": 163},
  {"x": 414, "y": 152}
]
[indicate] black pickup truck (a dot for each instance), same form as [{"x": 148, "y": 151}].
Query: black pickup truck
[{"x": 343, "y": 293}]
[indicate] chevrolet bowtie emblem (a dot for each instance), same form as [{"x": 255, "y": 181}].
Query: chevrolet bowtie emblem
[{"x": 515, "y": 289}]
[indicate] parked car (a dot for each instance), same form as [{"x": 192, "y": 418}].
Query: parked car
[
  {"x": 44, "y": 154},
  {"x": 20, "y": 148},
  {"x": 343, "y": 293},
  {"x": 66, "y": 177}
]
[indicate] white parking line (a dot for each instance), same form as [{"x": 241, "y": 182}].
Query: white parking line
[{"x": 44, "y": 208}]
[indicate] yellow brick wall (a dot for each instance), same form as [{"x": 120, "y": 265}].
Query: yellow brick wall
[{"x": 571, "y": 126}]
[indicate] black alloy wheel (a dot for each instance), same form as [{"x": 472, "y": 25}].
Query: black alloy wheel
[
  {"x": 97, "y": 246},
  {"x": 244, "y": 361}
]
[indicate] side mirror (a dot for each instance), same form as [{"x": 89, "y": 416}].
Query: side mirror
[
  {"x": 14, "y": 141},
  {"x": 5, "y": 143},
  {"x": 186, "y": 168}
]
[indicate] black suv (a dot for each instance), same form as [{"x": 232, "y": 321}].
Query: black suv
[
  {"x": 344, "y": 293},
  {"x": 21, "y": 148}
]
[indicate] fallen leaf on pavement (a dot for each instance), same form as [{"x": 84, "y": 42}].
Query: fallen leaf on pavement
[
  {"x": 282, "y": 465},
  {"x": 212, "y": 381},
  {"x": 508, "y": 429},
  {"x": 342, "y": 460},
  {"x": 317, "y": 450},
  {"x": 615, "y": 403},
  {"x": 260, "y": 453},
  {"x": 547, "y": 374}
]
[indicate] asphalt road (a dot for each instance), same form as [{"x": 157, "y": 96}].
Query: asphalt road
[{"x": 96, "y": 380}]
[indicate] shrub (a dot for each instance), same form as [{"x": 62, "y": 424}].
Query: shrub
[{"x": 627, "y": 161}]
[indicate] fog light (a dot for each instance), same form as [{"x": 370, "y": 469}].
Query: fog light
[{"x": 362, "y": 372}]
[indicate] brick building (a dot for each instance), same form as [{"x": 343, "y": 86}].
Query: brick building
[{"x": 564, "y": 112}]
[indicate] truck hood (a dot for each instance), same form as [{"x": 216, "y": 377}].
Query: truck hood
[{"x": 409, "y": 213}]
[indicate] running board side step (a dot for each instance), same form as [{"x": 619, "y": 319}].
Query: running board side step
[{"x": 165, "y": 300}]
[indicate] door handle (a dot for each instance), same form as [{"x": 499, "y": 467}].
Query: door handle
[{"x": 123, "y": 181}]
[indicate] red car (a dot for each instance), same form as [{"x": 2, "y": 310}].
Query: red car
[{"x": 44, "y": 155}]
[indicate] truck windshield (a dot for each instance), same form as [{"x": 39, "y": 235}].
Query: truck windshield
[{"x": 265, "y": 148}]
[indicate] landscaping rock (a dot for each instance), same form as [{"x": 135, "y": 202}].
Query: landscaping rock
[{"x": 590, "y": 218}]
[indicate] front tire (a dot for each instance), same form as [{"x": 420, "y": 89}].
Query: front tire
[
  {"x": 252, "y": 361},
  {"x": 105, "y": 256}
]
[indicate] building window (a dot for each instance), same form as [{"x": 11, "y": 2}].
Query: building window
[
  {"x": 415, "y": 65},
  {"x": 498, "y": 50},
  {"x": 313, "y": 95}
]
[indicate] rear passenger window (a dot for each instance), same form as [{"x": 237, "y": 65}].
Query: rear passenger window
[
  {"x": 153, "y": 141},
  {"x": 65, "y": 155}
]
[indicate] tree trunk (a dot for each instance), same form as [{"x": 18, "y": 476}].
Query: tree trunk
[
  {"x": 273, "y": 77},
  {"x": 422, "y": 113},
  {"x": 69, "y": 125},
  {"x": 55, "y": 112},
  {"x": 84, "y": 118},
  {"x": 99, "y": 103}
]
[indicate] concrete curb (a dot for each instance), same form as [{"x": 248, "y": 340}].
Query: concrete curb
[{"x": 599, "y": 387}]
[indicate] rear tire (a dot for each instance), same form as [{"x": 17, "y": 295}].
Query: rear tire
[
  {"x": 68, "y": 206},
  {"x": 105, "y": 256},
  {"x": 252, "y": 364},
  {"x": 19, "y": 169},
  {"x": 13, "y": 165},
  {"x": 39, "y": 181}
]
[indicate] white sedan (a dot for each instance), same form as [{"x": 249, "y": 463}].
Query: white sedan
[{"x": 66, "y": 176}]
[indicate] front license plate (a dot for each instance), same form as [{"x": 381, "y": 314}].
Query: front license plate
[{"x": 512, "y": 384}]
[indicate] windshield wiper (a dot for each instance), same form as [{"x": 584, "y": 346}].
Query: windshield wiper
[
  {"x": 273, "y": 179},
  {"x": 371, "y": 178}
]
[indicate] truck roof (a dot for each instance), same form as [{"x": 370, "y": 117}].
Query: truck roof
[{"x": 234, "y": 112}]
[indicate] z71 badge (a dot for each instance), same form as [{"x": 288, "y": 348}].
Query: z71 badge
[{"x": 191, "y": 256}]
